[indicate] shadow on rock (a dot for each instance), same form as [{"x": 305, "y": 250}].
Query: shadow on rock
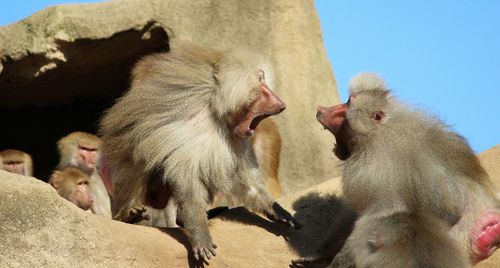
[
  {"x": 317, "y": 214},
  {"x": 244, "y": 216}
]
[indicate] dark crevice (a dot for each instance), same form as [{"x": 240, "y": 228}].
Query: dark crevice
[{"x": 37, "y": 111}]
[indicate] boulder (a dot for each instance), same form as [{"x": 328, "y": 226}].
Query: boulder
[
  {"x": 490, "y": 159},
  {"x": 38, "y": 228}
]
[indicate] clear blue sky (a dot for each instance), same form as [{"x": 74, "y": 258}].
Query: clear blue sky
[{"x": 443, "y": 56}]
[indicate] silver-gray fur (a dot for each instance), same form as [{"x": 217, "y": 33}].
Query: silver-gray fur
[
  {"x": 176, "y": 121},
  {"x": 415, "y": 184}
]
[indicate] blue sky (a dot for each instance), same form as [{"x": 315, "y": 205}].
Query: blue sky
[{"x": 443, "y": 56}]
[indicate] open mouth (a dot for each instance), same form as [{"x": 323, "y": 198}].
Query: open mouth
[
  {"x": 250, "y": 120},
  {"x": 255, "y": 122}
]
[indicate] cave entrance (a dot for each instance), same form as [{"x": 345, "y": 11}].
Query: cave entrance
[{"x": 38, "y": 108}]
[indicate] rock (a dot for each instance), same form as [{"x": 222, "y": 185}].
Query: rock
[
  {"x": 490, "y": 159},
  {"x": 39, "y": 228},
  {"x": 78, "y": 57}
]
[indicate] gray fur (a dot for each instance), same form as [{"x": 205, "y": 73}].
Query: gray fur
[{"x": 177, "y": 119}]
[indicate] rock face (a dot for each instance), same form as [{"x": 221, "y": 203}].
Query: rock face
[
  {"x": 38, "y": 228},
  {"x": 490, "y": 160},
  {"x": 61, "y": 67}
]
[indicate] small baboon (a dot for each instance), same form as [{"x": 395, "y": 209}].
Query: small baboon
[
  {"x": 403, "y": 166},
  {"x": 83, "y": 150},
  {"x": 16, "y": 161},
  {"x": 72, "y": 184},
  {"x": 181, "y": 133}
]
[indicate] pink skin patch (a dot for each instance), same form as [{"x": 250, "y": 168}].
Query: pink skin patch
[
  {"x": 15, "y": 167},
  {"x": 485, "y": 236},
  {"x": 332, "y": 118},
  {"x": 105, "y": 172},
  {"x": 87, "y": 156}
]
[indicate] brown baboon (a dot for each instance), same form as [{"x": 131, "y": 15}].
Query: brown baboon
[
  {"x": 402, "y": 165},
  {"x": 83, "y": 150},
  {"x": 72, "y": 184},
  {"x": 16, "y": 161},
  {"x": 182, "y": 131}
]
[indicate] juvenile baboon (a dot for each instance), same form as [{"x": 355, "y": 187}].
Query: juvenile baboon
[
  {"x": 83, "y": 150},
  {"x": 402, "y": 165},
  {"x": 16, "y": 161},
  {"x": 72, "y": 184},
  {"x": 182, "y": 130}
]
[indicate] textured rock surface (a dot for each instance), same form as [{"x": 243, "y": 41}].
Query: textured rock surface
[
  {"x": 83, "y": 52},
  {"x": 40, "y": 229},
  {"x": 490, "y": 159}
]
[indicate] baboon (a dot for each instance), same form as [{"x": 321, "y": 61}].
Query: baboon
[
  {"x": 181, "y": 132},
  {"x": 403, "y": 166},
  {"x": 266, "y": 144},
  {"x": 16, "y": 161},
  {"x": 83, "y": 150},
  {"x": 72, "y": 184}
]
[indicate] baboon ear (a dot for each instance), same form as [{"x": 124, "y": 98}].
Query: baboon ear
[
  {"x": 379, "y": 116},
  {"x": 55, "y": 181}
]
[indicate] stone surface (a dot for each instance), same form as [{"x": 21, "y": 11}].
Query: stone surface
[
  {"x": 69, "y": 54},
  {"x": 40, "y": 229},
  {"x": 490, "y": 159}
]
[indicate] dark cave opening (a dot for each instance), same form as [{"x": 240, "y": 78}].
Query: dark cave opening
[
  {"x": 38, "y": 109},
  {"x": 36, "y": 130}
]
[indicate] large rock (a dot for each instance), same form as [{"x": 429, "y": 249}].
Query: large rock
[
  {"x": 490, "y": 159},
  {"x": 40, "y": 229},
  {"x": 80, "y": 56}
]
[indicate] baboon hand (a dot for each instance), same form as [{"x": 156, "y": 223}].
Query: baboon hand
[
  {"x": 204, "y": 250},
  {"x": 135, "y": 215},
  {"x": 278, "y": 214}
]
